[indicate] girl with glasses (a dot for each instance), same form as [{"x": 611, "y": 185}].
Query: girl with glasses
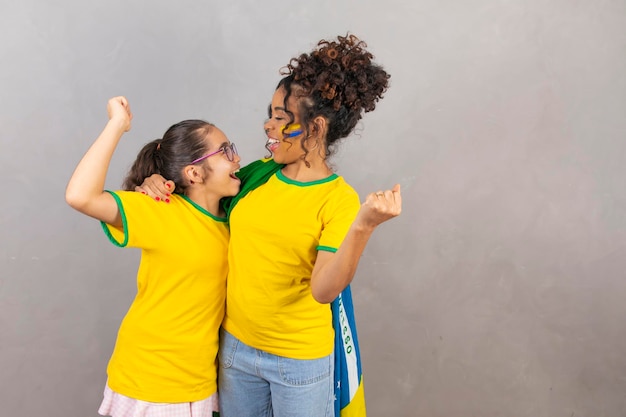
[
  {"x": 296, "y": 238},
  {"x": 164, "y": 358}
]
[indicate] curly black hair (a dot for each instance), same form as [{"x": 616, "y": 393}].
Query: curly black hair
[{"x": 339, "y": 81}]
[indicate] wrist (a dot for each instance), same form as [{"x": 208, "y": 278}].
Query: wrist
[
  {"x": 363, "y": 228},
  {"x": 117, "y": 124}
]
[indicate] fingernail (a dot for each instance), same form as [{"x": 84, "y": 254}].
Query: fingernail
[
  {"x": 167, "y": 185},
  {"x": 168, "y": 194},
  {"x": 143, "y": 192},
  {"x": 167, "y": 200},
  {"x": 157, "y": 199}
]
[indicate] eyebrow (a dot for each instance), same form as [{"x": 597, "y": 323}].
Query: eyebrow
[
  {"x": 222, "y": 145},
  {"x": 269, "y": 109}
]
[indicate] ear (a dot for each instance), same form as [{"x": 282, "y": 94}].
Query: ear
[
  {"x": 193, "y": 174},
  {"x": 319, "y": 127}
]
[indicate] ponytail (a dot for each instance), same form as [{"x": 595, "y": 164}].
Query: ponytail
[{"x": 149, "y": 161}]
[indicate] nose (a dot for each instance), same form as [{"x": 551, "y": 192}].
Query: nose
[{"x": 266, "y": 126}]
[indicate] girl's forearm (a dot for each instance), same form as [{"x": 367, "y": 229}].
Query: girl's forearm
[{"x": 85, "y": 190}]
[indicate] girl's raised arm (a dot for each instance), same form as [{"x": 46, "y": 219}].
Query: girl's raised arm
[{"x": 85, "y": 190}]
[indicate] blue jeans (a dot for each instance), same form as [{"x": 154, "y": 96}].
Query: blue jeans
[{"x": 254, "y": 383}]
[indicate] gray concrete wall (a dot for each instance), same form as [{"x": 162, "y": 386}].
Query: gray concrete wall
[{"x": 498, "y": 292}]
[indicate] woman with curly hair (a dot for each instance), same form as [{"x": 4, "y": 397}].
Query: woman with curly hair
[{"x": 297, "y": 233}]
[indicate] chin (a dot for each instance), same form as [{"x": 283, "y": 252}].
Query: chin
[{"x": 282, "y": 159}]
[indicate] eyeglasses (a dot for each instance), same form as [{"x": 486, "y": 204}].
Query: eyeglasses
[{"x": 229, "y": 150}]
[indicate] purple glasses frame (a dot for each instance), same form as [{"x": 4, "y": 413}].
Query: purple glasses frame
[{"x": 229, "y": 150}]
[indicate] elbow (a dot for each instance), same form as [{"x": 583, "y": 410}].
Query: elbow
[
  {"x": 74, "y": 199},
  {"x": 323, "y": 297},
  {"x": 326, "y": 291},
  {"x": 324, "y": 300}
]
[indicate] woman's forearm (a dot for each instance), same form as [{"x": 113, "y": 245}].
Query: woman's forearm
[
  {"x": 336, "y": 270},
  {"x": 333, "y": 272}
]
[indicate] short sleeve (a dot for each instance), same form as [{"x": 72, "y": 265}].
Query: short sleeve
[
  {"x": 139, "y": 215},
  {"x": 337, "y": 217}
]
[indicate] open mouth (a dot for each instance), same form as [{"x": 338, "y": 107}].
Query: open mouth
[{"x": 271, "y": 144}]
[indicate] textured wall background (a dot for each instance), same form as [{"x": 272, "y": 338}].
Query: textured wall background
[{"x": 499, "y": 291}]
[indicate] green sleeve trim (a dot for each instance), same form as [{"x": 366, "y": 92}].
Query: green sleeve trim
[
  {"x": 202, "y": 210},
  {"x": 327, "y": 249},
  {"x": 105, "y": 226}
]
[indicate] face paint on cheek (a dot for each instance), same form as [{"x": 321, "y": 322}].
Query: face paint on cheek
[{"x": 293, "y": 130}]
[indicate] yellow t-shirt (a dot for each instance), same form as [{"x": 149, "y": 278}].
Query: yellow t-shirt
[
  {"x": 276, "y": 232},
  {"x": 167, "y": 343}
]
